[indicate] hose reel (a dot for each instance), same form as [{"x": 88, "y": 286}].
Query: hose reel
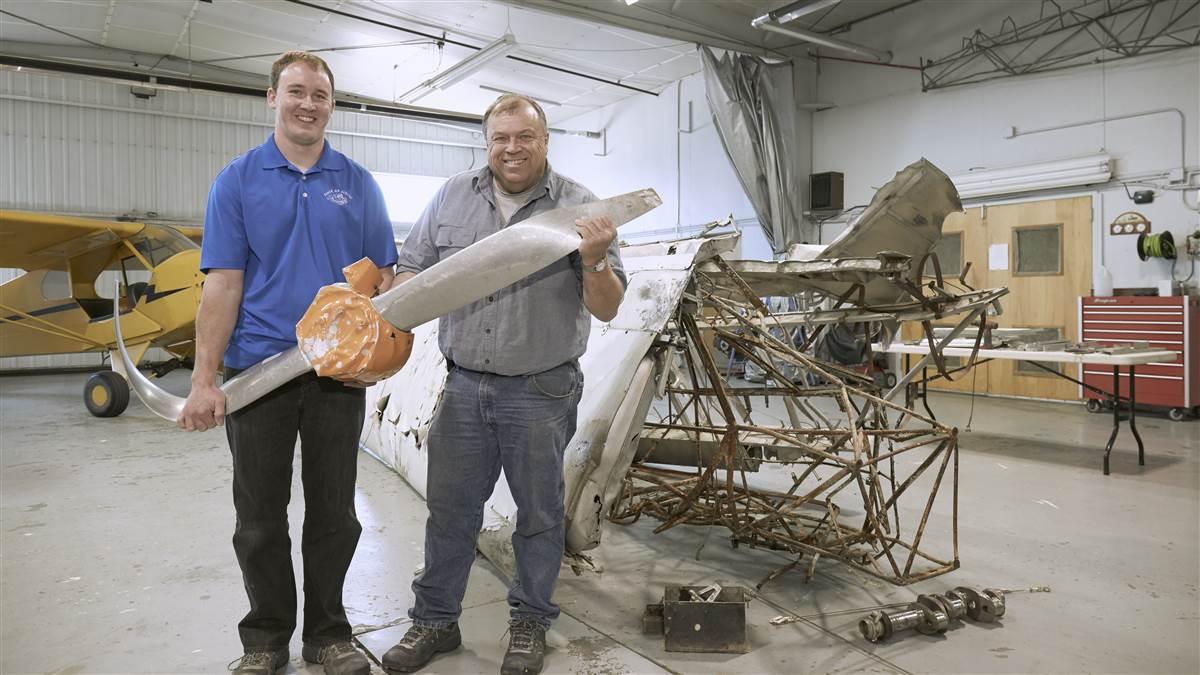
[{"x": 1160, "y": 245}]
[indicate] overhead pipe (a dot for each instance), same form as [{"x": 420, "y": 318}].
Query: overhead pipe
[
  {"x": 771, "y": 20},
  {"x": 818, "y": 39}
]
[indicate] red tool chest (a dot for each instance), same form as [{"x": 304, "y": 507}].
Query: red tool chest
[{"x": 1165, "y": 323}]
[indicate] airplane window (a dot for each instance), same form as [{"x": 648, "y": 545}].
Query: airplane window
[
  {"x": 56, "y": 285},
  {"x": 158, "y": 243}
]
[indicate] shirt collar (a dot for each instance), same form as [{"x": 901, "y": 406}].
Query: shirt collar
[
  {"x": 550, "y": 183},
  {"x": 270, "y": 157}
]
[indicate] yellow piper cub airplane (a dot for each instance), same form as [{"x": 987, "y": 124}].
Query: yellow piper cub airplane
[{"x": 56, "y": 307}]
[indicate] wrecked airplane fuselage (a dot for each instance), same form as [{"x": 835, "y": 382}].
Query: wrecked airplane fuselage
[{"x": 849, "y": 495}]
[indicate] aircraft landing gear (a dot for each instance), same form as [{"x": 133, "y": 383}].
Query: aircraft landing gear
[{"x": 106, "y": 394}]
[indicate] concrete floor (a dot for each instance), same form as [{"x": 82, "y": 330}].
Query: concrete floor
[{"x": 116, "y": 557}]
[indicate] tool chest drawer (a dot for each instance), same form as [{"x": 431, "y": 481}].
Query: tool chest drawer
[{"x": 1165, "y": 323}]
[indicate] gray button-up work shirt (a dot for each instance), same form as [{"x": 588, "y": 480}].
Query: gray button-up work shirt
[{"x": 533, "y": 325}]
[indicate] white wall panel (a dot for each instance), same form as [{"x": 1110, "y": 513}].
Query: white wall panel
[
  {"x": 80, "y": 146},
  {"x": 649, "y": 144},
  {"x": 884, "y": 122}
]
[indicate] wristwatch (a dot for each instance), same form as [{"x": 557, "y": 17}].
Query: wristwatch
[{"x": 598, "y": 267}]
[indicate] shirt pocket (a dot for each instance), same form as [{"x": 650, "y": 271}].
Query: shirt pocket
[{"x": 451, "y": 239}]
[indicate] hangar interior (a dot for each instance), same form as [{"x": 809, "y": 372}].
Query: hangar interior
[{"x": 1067, "y": 131}]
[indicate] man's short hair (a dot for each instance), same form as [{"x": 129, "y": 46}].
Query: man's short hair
[
  {"x": 311, "y": 60},
  {"x": 510, "y": 103}
]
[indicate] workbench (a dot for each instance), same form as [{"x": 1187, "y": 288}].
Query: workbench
[{"x": 1129, "y": 360}]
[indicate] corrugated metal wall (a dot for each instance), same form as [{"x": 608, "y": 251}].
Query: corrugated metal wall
[{"x": 90, "y": 147}]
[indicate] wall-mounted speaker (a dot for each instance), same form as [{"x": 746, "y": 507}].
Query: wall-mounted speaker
[{"x": 825, "y": 191}]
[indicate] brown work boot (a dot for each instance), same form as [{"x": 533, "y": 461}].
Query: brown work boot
[
  {"x": 339, "y": 658},
  {"x": 526, "y": 649},
  {"x": 419, "y": 645},
  {"x": 260, "y": 662}
]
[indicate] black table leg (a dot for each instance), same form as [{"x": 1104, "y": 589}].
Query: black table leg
[
  {"x": 1133, "y": 417},
  {"x": 1116, "y": 404}
]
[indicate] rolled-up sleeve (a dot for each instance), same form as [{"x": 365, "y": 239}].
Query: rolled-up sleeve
[
  {"x": 224, "y": 245},
  {"x": 614, "y": 261}
]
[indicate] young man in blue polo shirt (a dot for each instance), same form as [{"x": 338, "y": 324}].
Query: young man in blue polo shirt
[{"x": 282, "y": 221}]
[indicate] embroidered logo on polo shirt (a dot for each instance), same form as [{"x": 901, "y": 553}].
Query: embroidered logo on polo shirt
[{"x": 338, "y": 196}]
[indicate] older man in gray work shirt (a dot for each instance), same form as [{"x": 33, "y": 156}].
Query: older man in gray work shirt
[{"x": 513, "y": 388}]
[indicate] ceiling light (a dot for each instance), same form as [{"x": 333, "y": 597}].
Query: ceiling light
[
  {"x": 462, "y": 70},
  {"x": 504, "y": 90},
  {"x": 630, "y": 2}
]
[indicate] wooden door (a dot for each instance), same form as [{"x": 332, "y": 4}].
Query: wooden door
[
  {"x": 1044, "y": 282},
  {"x": 1049, "y": 251}
]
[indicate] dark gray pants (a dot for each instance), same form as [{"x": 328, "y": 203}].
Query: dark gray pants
[
  {"x": 486, "y": 423},
  {"x": 327, "y": 416}
]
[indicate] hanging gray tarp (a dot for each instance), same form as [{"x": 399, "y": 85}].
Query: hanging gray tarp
[{"x": 753, "y": 106}]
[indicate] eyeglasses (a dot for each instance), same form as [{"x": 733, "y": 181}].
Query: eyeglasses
[{"x": 524, "y": 140}]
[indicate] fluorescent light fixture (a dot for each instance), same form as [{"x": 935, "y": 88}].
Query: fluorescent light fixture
[
  {"x": 462, "y": 70},
  {"x": 630, "y": 2},
  {"x": 1028, "y": 177},
  {"x": 796, "y": 10},
  {"x": 502, "y": 90}
]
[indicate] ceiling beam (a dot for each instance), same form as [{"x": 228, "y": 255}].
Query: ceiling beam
[
  {"x": 124, "y": 58},
  {"x": 342, "y": 101},
  {"x": 636, "y": 21},
  {"x": 446, "y": 40}
]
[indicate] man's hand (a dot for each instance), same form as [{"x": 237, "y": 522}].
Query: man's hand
[
  {"x": 598, "y": 234},
  {"x": 204, "y": 408}
]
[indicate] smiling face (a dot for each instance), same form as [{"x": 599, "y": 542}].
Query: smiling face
[
  {"x": 303, "y": 103},
  {"x": 516, "y": 145}
]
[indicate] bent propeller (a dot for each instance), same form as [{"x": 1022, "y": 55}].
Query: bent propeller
[{"x": 488, "y": 265}]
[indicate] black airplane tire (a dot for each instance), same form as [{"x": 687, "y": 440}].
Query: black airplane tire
[{"x": 106, "y": 394}]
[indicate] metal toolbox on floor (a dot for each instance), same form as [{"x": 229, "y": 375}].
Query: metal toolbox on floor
[
  {"x": 692, "y": 623},
  {"x": 1163, "y": 322}
]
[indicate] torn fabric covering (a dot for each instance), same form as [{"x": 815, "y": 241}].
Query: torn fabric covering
[
  {"x": 401, "y": 408},
  {"x": 752, "y": 104}
]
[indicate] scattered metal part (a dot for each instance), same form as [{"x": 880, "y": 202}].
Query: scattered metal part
[
  {"x": 775, "y": 573},
  {"x": 1032, "y": 589},
  {"x": 581, "y": 563},
  {"x": 652, "y": 619},
  {"x": 707, "y": 594},
  {"x": 932, "y": 614},
  {"x": 985, "y": 606}
]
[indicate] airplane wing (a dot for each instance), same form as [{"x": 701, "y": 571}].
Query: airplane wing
[{"x": 35, "y": 241}]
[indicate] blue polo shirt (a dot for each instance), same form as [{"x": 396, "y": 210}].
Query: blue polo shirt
[{"x": 292, "y": 233}]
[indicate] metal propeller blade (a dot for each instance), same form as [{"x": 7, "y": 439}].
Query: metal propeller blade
[{"x": 485, "y": 267}]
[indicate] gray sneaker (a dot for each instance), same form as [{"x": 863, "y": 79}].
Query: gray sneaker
[
  {"x": 339, "y": 658},
  {"x": 260, "y": 663},
  {"x": 419, "y": 645},
  {"x": 526, "y": 648}
]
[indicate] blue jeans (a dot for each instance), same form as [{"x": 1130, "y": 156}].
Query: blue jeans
[{"x": 486, "y": 422}]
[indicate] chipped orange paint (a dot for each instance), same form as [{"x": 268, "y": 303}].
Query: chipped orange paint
[{"x": 342, "y": 335}]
